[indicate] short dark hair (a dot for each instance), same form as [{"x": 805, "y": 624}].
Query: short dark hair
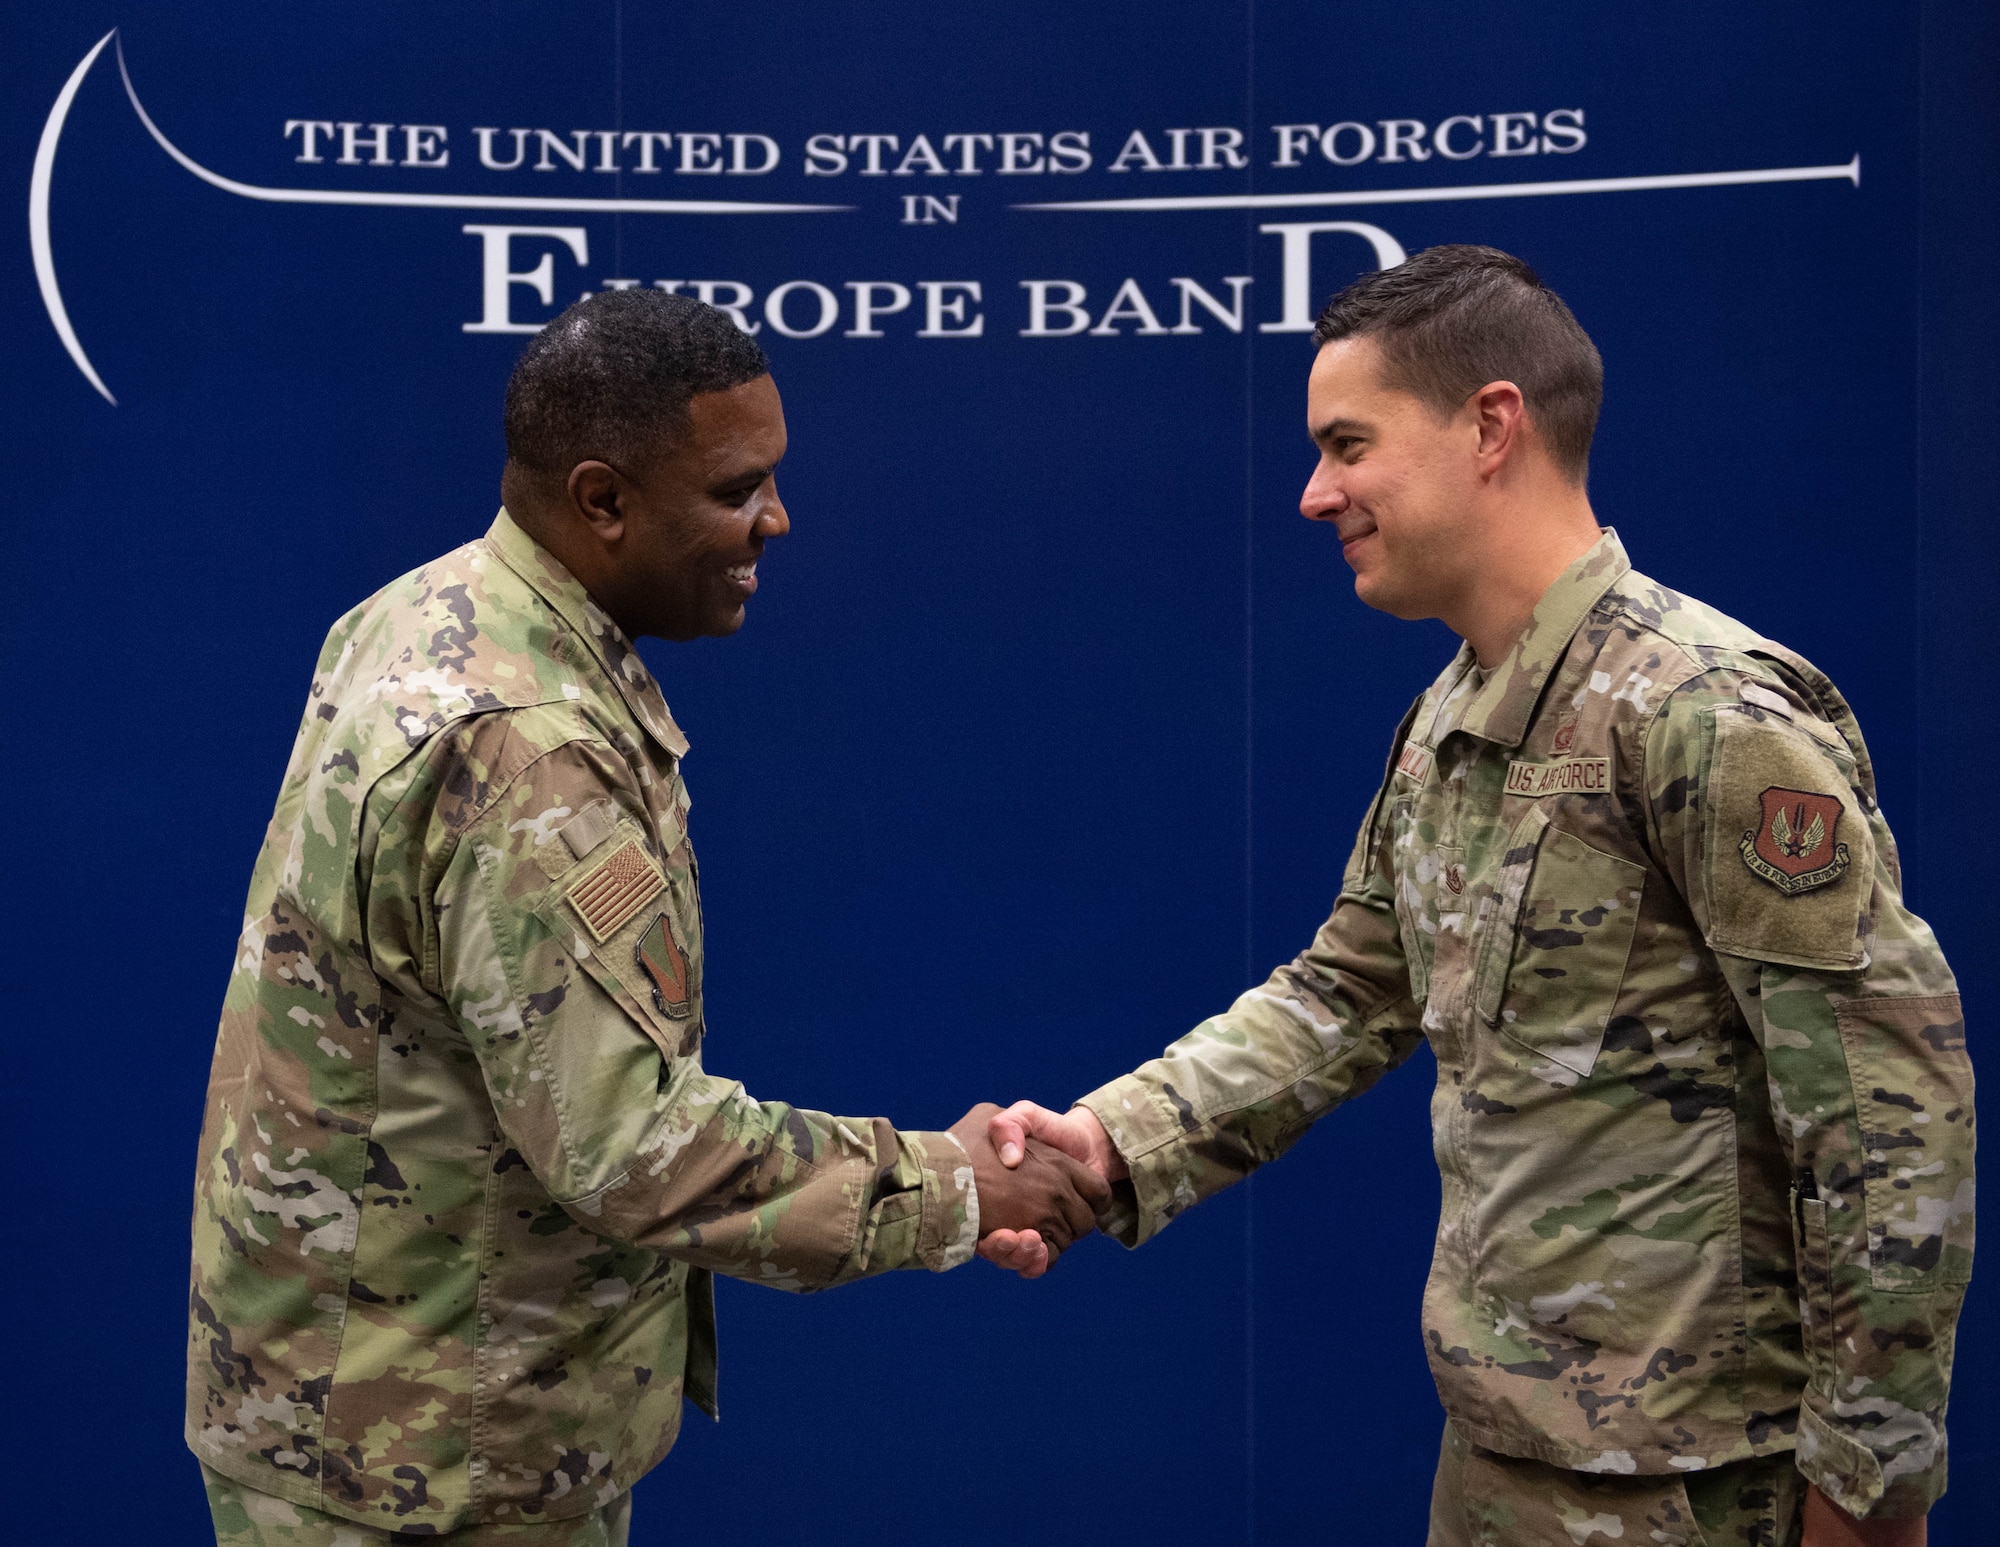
[
  {"x": 610, "y": 378},
  {"x": 1451, "y": 319}
]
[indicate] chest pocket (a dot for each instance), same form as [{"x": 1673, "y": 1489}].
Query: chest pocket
[{"x": 1553, "y": 947}]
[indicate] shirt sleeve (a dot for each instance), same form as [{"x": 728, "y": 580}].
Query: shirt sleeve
[
  {"x": 1766, "y": 818},
  {"x": 622, "y": 1124},
  {"x": 1240, "y": 1088}
]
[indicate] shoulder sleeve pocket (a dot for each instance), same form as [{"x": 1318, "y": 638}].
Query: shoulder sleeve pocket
[
  {"x": 1788, "y": 862},
  {"x": 627, "y": 918}
]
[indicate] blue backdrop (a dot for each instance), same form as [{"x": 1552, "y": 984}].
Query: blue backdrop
[{"x": 1053, "y": 720}]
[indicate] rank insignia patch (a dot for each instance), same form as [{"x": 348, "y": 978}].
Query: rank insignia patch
[
  {"x": 1793, "y": 846},
  {"x": 665, "y": 965}
]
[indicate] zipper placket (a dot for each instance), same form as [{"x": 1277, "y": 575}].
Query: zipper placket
[{"x": 1451, "y": 830}]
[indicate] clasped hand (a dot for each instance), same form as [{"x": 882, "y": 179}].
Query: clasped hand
[
  {"x": 1031, "y": 1155},
  {"x": 1035, "y": 1192}
]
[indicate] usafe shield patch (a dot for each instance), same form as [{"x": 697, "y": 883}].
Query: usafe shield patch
[
  {"x": 1414, "y": 760},
  {"x": 1793, "y": 846},
  {"x": 665, "y": 964},
  {"x": 616, "y": 888},
  {"x": 1567, "y": 776}
]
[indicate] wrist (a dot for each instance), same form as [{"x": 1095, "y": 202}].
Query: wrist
[
  {"x": 1104, "y": 1157},
  {"x": 1826, "y": 1524}
]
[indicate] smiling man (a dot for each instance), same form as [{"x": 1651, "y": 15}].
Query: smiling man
[
  {"x": 1704, "y": 1109},
  {"x": 463, "y": 1177}
]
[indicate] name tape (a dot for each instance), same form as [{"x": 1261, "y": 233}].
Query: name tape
[
  {"x": 1414, "y": 761},
  {"x": 1570, "y": 776}
]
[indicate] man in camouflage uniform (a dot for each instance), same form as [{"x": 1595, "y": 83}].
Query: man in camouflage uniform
[
  {"x": 1704, "y": 1109},
  {"x": 463, "y": 1179}
]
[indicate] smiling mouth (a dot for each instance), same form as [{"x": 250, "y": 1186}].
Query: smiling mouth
[{"x": 743, "y": 575}]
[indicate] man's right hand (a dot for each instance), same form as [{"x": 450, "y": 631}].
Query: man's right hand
[
  {"x": 1042, "y": 1192},
  {"x": 1016, "y": 1132},
  {"x": 1077, "y": 1133}
]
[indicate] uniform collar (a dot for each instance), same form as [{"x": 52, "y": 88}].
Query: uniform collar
[
  {"x": 565, "y": 593},
  {"x": 1500, "y": 710}
]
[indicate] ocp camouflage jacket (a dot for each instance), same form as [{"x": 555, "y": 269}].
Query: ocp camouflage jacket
[
  {"x": 1703, "y": 1108},
  {"x": 462, "y": 1178}
]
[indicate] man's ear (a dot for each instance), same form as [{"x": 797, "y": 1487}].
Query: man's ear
[
  {"x": 1500, "y": 415},
  {"x": 597, "y": 493}
]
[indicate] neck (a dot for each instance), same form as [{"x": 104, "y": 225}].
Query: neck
[
  {"x": 570, "y": 543},
  {"x": 1526, "y": 551}
]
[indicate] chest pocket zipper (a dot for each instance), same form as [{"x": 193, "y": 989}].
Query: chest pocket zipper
[
  {"x": 1500, "y": 916},
  {"x": 1409, "y": 904},
  {"x": 1552, "y": 950}
]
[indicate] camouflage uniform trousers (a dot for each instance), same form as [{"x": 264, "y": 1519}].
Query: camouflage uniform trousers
[
  {"x": 1484, "y": 1499},
  {"x": 246, "y": 1518}
]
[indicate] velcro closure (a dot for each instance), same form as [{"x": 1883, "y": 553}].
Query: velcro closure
[
  {"x": 1762, "y": 696},
  {"x": 1765, "y": 698},
  {"x": 588, "y": 828}
]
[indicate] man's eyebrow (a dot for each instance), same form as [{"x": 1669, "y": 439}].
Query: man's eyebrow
[{"x": 1334, "y": 427}]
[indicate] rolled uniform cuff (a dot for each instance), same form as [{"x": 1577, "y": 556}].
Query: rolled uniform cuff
[
  {"x": 1150, "y": 1135},
  {"x": 1902, "y": 1485},
  {"x": 948, "y": 1227}
]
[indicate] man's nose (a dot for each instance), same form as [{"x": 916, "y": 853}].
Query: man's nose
[
  {"x": 773, "y": 520},
  {"x": 1324, "y": 499}
]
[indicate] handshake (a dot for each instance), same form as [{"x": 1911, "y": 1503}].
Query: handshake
[{"x": 1042, "y": 1179}]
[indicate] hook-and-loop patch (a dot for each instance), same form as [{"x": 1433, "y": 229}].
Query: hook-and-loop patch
[
  {"x": 1789, "y": 865},
  {"x": 1793, "y": 846},
  {"x": 615, "y": 888}
]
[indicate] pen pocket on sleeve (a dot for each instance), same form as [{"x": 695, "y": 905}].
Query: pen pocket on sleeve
[
  {"x": 1815, "y": 1269},
  {"x": 1912, "y": 1082}
]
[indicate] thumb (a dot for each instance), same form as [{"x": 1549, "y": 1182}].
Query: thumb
[{"x": 1007, "y": 1132}]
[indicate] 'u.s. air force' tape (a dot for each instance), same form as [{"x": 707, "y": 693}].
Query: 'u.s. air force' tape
[{"x": 1569, "y": 776}]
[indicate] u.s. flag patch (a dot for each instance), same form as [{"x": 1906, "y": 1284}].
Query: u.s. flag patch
[{"x": 616, "y": 888}]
